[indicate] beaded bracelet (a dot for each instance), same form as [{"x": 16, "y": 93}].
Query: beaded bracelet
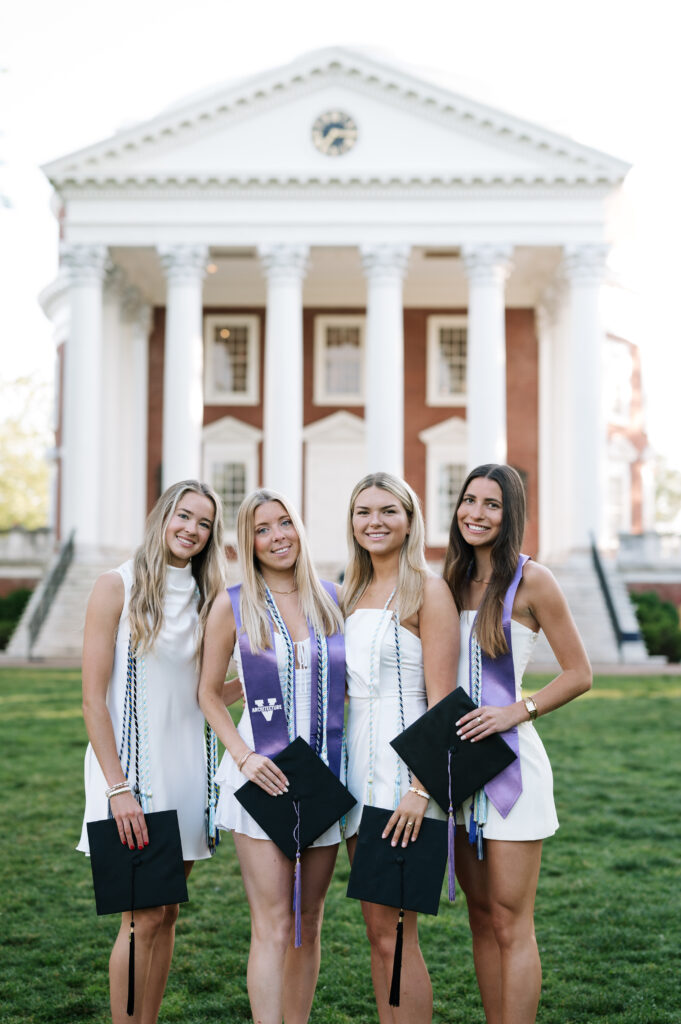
[
  {"x": 122, "y": 787},
  {"x": 419, "y": 792}
]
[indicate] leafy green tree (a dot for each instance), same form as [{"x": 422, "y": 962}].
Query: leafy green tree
[{"x": 25, "y": 436}]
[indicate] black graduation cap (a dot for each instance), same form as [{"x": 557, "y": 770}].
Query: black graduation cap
[
  {"x": 126, "y": 879},
  {"x": 314, "y": 801},
  {"x": 408, "y": 878},
  {"x": 450, "y": 768},
  {"x": 426, "y": 744}
]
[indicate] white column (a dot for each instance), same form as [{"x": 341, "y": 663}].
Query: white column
[
  {"x": 584, "y": 267},
  {"x": 137, "y": 321},
  {"x": 385, "y": 267},
  {"x": 82, "y": 470},
  {"x": 112, "y": 411},
  {"x": 285, "y": 267},
  {"x": 185, "y": 267},
  {"x": 487, "y": 267}
]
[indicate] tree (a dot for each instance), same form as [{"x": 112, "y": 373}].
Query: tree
[
  {"x": 667, "y": 492},
  {"x": 25, "y": 437}
]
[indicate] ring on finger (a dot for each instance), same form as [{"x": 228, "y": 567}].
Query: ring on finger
[
  {"x": 410, "y": 824},
  {"x": 479, "y": 718}
]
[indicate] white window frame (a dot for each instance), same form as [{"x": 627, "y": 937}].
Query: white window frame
[
  {"x": 214, "y": 396},
  {"x": 433, "y": 327},
  {"x": 321, "y": 324},
  {"x": 446, "y": 443},
  {"x": 230, "y": 440}
]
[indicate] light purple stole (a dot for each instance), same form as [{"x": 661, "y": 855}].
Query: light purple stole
[
  {"x": 264, "y": 697},
  {"x": 498, "y": 689}
]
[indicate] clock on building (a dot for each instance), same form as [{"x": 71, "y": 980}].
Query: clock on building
[{"x": 334, "y": 133}]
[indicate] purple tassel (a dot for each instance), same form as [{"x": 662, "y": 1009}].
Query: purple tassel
[
  {"x": 297, "y": 883},
  {"x": 296, "y": 902}
]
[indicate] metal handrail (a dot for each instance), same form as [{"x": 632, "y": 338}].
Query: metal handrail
[
  {"x": 52, "y": 585},
  {"x": 621, "y": 636}
]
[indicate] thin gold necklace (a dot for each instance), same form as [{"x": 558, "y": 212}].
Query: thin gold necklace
[
  {"x": 479, "y": 581},
  {"x": 282, "y": 592}
]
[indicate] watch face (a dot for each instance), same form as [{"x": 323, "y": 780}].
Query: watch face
[{"x": 334, "y": 133}]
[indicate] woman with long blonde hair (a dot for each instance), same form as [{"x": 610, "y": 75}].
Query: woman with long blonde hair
[
  {"x": 401, "y": 641},
  {"x": 504, "y": 598},
  {"x": 144, "y": 628},
  {"x": 284, "y": 628}
]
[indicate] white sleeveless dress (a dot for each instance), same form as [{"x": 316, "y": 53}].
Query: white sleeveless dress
[
  {"x": 177, "y": 755},
  {"x": 374, "y": 711},
  {"x": 533, "y": 816},
  {"x": 230, "y": 815}
]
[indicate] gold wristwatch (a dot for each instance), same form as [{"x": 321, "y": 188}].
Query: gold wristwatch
[{"x": 531, "y": 708}]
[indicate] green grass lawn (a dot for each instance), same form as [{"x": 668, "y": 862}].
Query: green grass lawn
[{"x": 608, "y": 908}]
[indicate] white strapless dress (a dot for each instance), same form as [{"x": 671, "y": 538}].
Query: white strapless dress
[
  {"x": 374, "y": 712},
  {"x": 533, "y": 816}
]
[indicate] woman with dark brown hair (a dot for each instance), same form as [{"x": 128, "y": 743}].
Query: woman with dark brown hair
[{"x": 504, "y": 599}]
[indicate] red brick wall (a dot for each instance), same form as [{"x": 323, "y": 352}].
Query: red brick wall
[
  {"x": 522, "y": 398},
  {"x": 522, "y": 411},
  {"x": 667, "y": 591}
]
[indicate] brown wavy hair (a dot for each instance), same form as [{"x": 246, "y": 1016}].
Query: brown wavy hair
[{"x": 460, "y": 557}]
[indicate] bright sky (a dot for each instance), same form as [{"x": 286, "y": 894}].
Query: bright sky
[{"x": 603, "y": 71}]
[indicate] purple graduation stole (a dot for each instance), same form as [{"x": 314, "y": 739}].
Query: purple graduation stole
[
  {"x": 498, "y": 689},
  {"x": 263, "y": 693}
]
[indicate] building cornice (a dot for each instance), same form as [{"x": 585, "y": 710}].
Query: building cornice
[{"x": 567, "y": 162}]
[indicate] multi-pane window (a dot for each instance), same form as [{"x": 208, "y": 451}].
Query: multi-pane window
[
  {"x": 229, "y": 481},
  {"x": 231, "y": 360},
  {"x": 339, "y": 360},
  {"x": 451, "y": 476},
  {"x": 447, "y": 358}
]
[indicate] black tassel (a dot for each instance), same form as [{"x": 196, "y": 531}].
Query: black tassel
[
  {"x": 130, "y": 1009},
  {"x": 394, "y": 999},
  {"x": 397, "y": 963}
]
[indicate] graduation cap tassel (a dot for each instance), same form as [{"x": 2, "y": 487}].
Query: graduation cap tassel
[
  {"x": 394, "y": 999},
  {"x": 130, "y": 1008},
  {"x": 297, "y": 881},
  {"x": 451, "y": 832}
]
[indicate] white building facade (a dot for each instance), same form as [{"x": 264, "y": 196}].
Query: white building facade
[{"x": 327, "y": 269}]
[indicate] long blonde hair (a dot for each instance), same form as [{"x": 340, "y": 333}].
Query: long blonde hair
[
  {"x": 318, "y": 607},
  {"x": 413, "y": 569},
  {"x": 145, "y": 612}
]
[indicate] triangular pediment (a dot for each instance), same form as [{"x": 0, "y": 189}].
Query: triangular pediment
[{"x": 258, "y": 131}]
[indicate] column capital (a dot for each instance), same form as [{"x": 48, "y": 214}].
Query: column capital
[
  {"x": 136, "y": 310},
  {"x": 281, "y": 262},
  {"x": 183, "y": 264},
  {"x": 385, "y": 261},
  {"x": 487, "y": 263},
  {"x": 585, "y": 264},
  {"x": 115, "y": 281},
  {"x": 83, "y": 264}
]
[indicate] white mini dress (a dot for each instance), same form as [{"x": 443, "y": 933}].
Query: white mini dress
[
  {"x": 230, "y": 815},
  {"x": 533, "y": 816},
  {"x": 176, "y": 743}
]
